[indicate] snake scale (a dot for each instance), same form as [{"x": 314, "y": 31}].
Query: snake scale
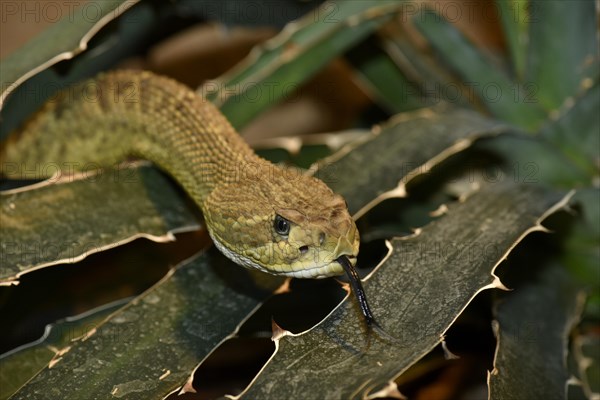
[{"x": 257, "y": 213}]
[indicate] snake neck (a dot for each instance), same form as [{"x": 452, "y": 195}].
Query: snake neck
[{"x": 133, "y": 114}]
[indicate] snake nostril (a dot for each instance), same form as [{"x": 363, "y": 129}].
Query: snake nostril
[
  {"x": 303, "y": 249},
  {"x": 321, "y": 238}
]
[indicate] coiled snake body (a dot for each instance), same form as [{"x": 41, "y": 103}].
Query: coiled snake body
[{"x": 258, "y": 214}]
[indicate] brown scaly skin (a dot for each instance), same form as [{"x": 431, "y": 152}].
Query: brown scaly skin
[{"x": 128, "y": 113}]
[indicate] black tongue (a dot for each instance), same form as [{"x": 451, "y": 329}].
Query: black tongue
[
  {"x": 357, "y": 288},
  {"x": 359, "y": 292}
]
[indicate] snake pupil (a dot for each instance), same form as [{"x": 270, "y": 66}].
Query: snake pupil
[{"x": 281, "y": 225}]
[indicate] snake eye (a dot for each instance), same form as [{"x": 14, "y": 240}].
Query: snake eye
[{"x": 281, "y": 225}]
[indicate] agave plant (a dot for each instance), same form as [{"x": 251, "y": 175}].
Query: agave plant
[{"x": 464, "y": 160}]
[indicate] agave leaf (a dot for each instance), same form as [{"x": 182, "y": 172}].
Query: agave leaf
[
  {"x": 404, "y": 147},
  {"x": 575, "y": 131},
  {"x": 582, "y": 247},
  {"x": 57, "y": 57},
  {"x": 533, "y": 323},
  {"x": 17, "y": 366},
  {"x": 561, "y": 58},
  {"x": 148, "y": 348},
  {"x": 433, "y": 82},
  {"x": 382, "y": 80},
  {"x": 586, "y": 348},
  {"x": 416, "y": 294},
  {"x": 278, "y": 67},
  {"x": 71, "y": 35},
  {"x": 304, "y": 150},
  {"x": 529, "y": 160},
  {"x": 119, "y": 29},
  {"x": 294, "y": 144},
  {"x": 258, "y": 13},
  {"x": 127, "y": 203},
  {"x": 588, "y": 198},
  {"x": 62, "y": 41},
  {"x": 506, "y": 99},
  {"x": 515, "y": 21},
  {"x": 575, "y": 391}
]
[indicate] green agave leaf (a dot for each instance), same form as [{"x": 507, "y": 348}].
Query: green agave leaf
[
  {"x": 382, "y": 80},
  {"x": 277, "y": 68},
  {"x": 62, "y": 41},
  {"x": 560, "y": 58},
  {"x": 575, "y": 132},
  {"x": 530, "y": 160},
  {"x": 71, "y": 36},
  {"x": 515, "y": 20},
  {"x": 590, "y": 213},
  {"x": 504, "y": 98},
  {"x": 119, "y": 29},
  {"x": 582, "y": 247},
  {"x": 416, "y": 293},
  {"x": 404, "y": 147},
  {"x": 53, "y": 224},
  {"x": 533, "y": 324},
  {"x": 566, "y": 151},
  {"x": 16, "y": 367},
  {"x": 57, "y": 57},
  {"x": 148, "y": 348},
  {"x": 433, "y": 82}
]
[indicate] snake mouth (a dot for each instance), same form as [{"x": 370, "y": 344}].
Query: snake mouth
[
  {"x": 323, "y": 265},
  {"x": 311, "y": 271},
  {"x": 333, "y": 268},
  {"x": 316, "y": 270}
]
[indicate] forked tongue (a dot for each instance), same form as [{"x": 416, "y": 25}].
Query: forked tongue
[{"x": 359, "y": 292}]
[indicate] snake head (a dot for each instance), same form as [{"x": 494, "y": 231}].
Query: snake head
[
  {"x": 312, "y": 240},
  {"x": 294, "y": 227}
]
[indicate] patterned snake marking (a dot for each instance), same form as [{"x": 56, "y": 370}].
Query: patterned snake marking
[{"x": 257, "y": 214}]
